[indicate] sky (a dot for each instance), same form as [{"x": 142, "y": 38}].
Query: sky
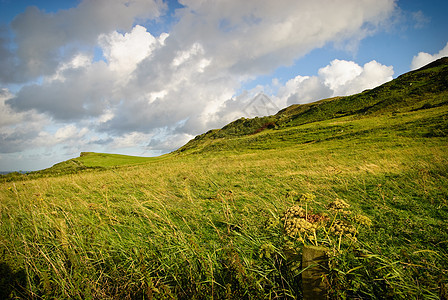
[{"x": 143, "y": 77}]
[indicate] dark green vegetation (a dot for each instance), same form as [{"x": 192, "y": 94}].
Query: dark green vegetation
[{"x": 205, "y": 221}]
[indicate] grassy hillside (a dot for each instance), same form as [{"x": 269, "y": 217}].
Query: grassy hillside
[
  {"x": 420, "y": 89},
  {"x": 87, "y": 161},
  {"x": 208, "y": 221}
]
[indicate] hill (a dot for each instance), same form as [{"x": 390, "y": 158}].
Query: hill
[
  {"x": 421, "y": 89},
  {"x": 227, "y": 216},
  {"x": 92, "y": 160},
  {"x": 87, "y": 161}
]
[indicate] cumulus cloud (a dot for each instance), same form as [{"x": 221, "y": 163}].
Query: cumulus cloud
[
  {"x": 84, "y": 93},
  {"x": 19, "y": 130},
  {"x": 250, "y": 103},
  {"x": 339, "y": 78},
  {"x": 351, "y": 78},
  {"x": 7, "y": 115},
  {"x": 124, "y": 52},
  {"x": 69, "y": 132},
  {"x": 82, "y": 88},
  {"x": 338, "y": 73},
  {"x": 304, "y": 89},
  {"x": 129, "y": 140},
  {"x": 216, "y": 46},
  {"x": 168, "y": 142},
  {"x": 252, "y": 37},
  {"x": 43, "y": 39},
  {"x": 423, "y": 58}
]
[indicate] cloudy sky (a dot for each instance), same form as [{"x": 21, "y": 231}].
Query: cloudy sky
[{"x": 142, "y": 77}]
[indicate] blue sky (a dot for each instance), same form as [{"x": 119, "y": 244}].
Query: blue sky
[{"x": 143, "y": 77}]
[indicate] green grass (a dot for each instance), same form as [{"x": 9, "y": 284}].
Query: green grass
[
  {"x": 87, "y": 161},
  {"x": 204, "y": 221},
  {"x": 91, "y": 159}
]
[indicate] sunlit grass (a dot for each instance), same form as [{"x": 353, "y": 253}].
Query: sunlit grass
[
  {"x": 194, "y": 225},
  {"x": 205, "y": 222}
]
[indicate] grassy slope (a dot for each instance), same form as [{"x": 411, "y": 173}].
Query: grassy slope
[
  {"x": 203, "y": 221},
  {"x": 90, "y": 159},
  {"x": 421, "y": 89},
  {"x": 87, "y": 161}
]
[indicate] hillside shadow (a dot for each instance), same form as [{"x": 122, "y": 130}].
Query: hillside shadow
[{"x": 10, "y": 281}]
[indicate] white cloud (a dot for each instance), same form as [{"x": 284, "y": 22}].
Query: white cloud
[
  {"x": 24, "y": 135},
  {"x": 339, "y": 72},
  {"x": 304, "y": 89},
  {"x": 183, "y": 56},
  {"x": 106, "y": 116},
  {"x": 69, "y": 132},
  {"x": 130, "y": 140},
  {"x": 81, "y": 88},
  {"x": 215, "y": 46},
  {"x": 252, "y": 37},
  {"x": 170, "y": 142},
  {"x": 372, "y": 75},
  {"x": 339, "y": 78},
  {"x": 7, "y": 115},
  {"x": 80, "y": 60},
  {"x": 124, "y": 52},
  {"x": 346, "y": 78},
  {"x": 18, "y": 130},
  {"x": 424, "y": 58},
  {"x": 235, "y": 108},
  {"x": 43, "y": 39}
]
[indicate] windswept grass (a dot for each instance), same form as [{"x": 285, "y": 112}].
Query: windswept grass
[
  {"x": 195, "y": 226},
  {"x": 206, "y": 222},
  {"x": 87, "y": 161},
  {"x": 91, "y": 159}
]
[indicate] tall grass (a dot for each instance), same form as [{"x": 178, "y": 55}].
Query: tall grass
[{"x": 205, "y": 222}]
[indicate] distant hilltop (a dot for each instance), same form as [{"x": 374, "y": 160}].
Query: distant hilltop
[{"x": 8, "y": 172}]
